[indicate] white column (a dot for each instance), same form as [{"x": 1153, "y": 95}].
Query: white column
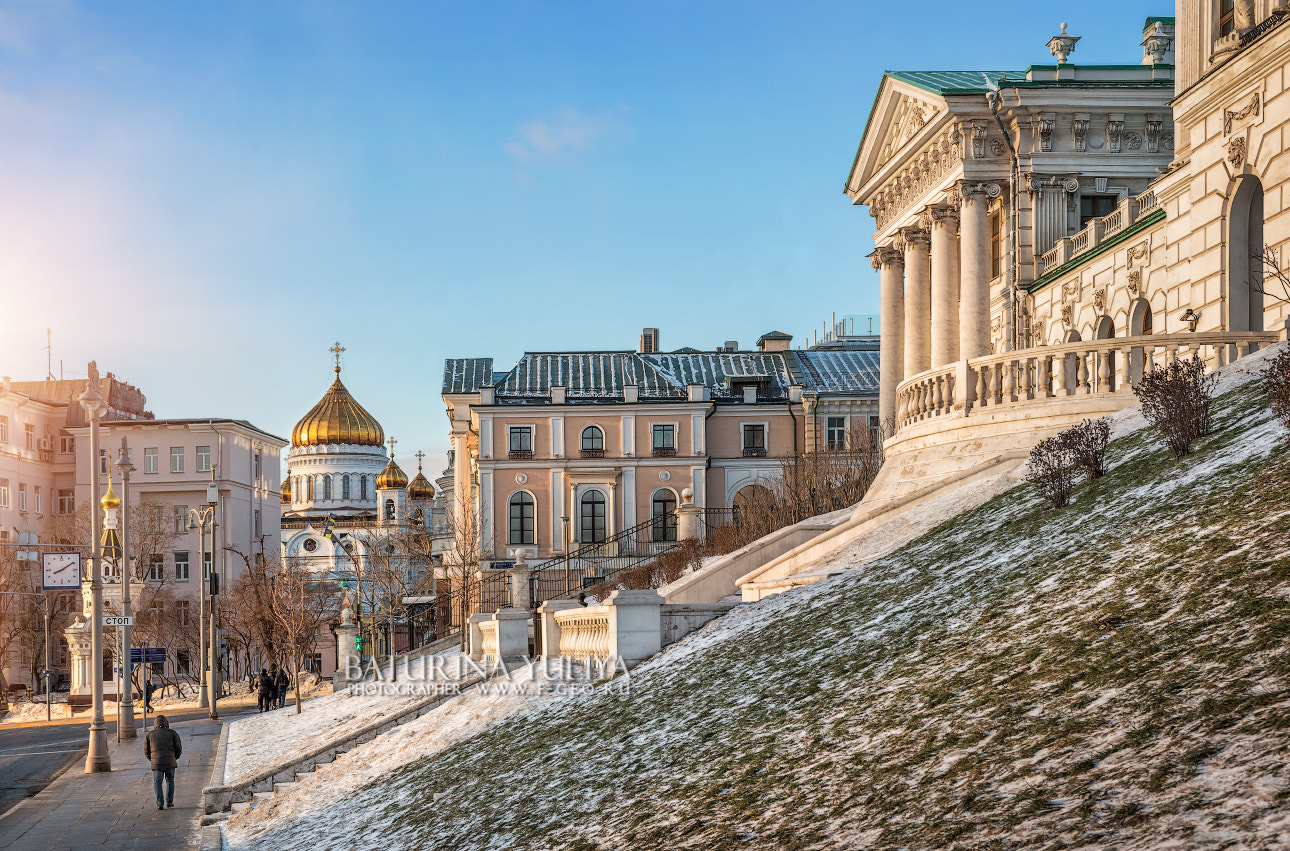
[
  {"x": 1051, "y": 197},
  {"x": 945, "y": 284},
  {"x": 918, "y": 274},
  {"x": 974, "y": 275},
  {"x": 890, "y": 264}
]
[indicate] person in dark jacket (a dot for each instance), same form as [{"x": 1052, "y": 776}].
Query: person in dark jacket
[
  {"x": 265, "y": 689},
  {"x": 163, "y": 748},
  {"x": 281, "y": 684}
]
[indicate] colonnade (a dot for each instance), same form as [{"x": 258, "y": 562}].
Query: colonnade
[{"x": 934, "y": 281}]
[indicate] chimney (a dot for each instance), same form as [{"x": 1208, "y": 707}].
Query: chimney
[
  {"x": 731, "y": 346},
  {"x": 649, "y": 341}
]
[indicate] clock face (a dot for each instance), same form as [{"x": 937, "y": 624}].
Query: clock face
[{"x": 61, "y": 570}]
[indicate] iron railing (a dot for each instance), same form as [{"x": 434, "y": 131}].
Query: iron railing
[
  {"x": 663, "y": 451},
  {"x": 456, "y": 599},
  {"x": 566, "y": 575}
]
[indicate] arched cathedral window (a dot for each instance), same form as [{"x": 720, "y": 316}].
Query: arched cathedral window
[
  {"x": 344, "y": 487},
  {"x": 326, "y": 487},
  {"x": 362, "y": 487}
]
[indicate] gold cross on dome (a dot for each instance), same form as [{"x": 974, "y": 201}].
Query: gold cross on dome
[
  {"x": 392, "y": 442},
  {"x": 420, "y": 455},
  {"x": 336, "y": 350}
]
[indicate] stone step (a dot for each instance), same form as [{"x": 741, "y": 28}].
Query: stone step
[
  {"x": 239, "y": 806},
  {"x": 262, "y": 796}
]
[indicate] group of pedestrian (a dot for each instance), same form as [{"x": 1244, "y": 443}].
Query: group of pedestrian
[{"x": 273, "y": 685}]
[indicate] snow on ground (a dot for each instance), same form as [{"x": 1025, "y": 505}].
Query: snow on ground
[
  {"x": 1111, "y": 675},
  {"x": 33, "y": 709},
  {"x": 270, "y": 738}
]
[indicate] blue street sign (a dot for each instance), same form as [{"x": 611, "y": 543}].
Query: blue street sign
[{"x": 147, "y": 655}]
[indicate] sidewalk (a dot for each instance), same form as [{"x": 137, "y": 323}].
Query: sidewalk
[{"x": 117, "y": 810}]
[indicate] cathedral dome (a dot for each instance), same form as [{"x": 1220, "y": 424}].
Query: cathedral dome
[
  {"x": 391, "y": 476},
  {"x": 285, "y": 491},
  {"x": 110, "y": 499},
  {"x": 420, "y": 487},
  {"x": 337, "y": 418}
]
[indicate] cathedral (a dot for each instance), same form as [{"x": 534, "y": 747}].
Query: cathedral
[{"x": 341, "y": 487}]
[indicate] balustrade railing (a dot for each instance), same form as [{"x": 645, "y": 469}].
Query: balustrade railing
[
  {"x": 566, "y": 575},
  {"x": 1092, "y": 368},
  {"x": 1145, "y": 203},
  {"x": 1096, "y": 231},
  {"x": 584, "y": 632}
]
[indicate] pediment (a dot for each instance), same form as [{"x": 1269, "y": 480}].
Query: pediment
[{"x": 899, "y": 116}]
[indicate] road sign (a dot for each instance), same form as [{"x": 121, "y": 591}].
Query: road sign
[
  {"x": 147, "y": 655},
  {"x": 117, "y": 620}
]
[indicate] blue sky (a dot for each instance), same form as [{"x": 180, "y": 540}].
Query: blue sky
[{"x": 204, "y": 196}]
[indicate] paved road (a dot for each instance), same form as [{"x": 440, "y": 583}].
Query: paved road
[{"x": 33, "y": 755}]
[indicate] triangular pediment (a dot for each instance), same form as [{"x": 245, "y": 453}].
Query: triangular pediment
[
  {"x": 900, "y": 114},
  {"x": 909, "y": 115}
]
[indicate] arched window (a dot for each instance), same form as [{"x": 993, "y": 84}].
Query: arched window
[
  {"x": 663, "y": 515},
  {"x": 344, "y": 487},
  {"x": 362, "y": 487},
  {"x": 591, "y": 517},
  {"x": 521, "y": 519},
  {"x": 311, "y": 488},
  {"x": 326, "y": 487},
  {"x": 389, "y": 510},
  {"x": 1245, "y": 256},
  {"x": 593, "y": 442}
]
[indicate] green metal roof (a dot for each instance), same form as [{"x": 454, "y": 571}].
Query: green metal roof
[{"x": 952, "y": 82}]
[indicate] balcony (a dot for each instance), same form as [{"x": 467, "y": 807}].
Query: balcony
[
  {"x": 663, "y": 451},
  {"x": 520, "y": 455},
  {"x": 1097, "y": 231},
  {"x": 754, "y": 452},
  {"x": 593, "y": 453}
]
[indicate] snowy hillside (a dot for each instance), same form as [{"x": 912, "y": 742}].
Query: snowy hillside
[{"x": 1111, "y": 675}]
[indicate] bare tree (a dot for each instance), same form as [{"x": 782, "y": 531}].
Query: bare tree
[
  {"x": 1270, "y": 278},
  {"x": 1276, "y": 384},
  {"x": 396, "y": 565},
  {"x": 301, "y": 602},
  {"x": 249, "y": 604},
  {"x": 1177, "y": 400}
]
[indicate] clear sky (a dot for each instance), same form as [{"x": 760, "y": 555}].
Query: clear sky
[{"x": 204, "y": 196}]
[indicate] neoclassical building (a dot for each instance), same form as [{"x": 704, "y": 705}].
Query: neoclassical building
[{"x": 1043, "y": 236}]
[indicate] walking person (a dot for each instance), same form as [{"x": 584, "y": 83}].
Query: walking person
[
  {"x": 163, "y": 748},
  {"x": 282, "y": 683},
  {"x": 148, "y": 689},
  {"x": 265, "y": 688}
]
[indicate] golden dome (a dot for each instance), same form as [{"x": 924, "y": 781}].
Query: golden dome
[
  {"x": 391, "y": 476},
  {"x": 285, "y": 491},
  {"x": 110, "y": 499},
  {"x": 337, "y": 418},
  {"x": 420, "y": 487}
]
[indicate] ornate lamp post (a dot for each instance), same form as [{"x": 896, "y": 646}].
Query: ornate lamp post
[
  {"x": 199, "y": 519},
  {"x": 125, "y": 721},
  {"x": 98, "y": 759}
]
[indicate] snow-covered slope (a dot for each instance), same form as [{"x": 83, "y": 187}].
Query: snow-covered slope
[{"x": 1111, "y": 675}]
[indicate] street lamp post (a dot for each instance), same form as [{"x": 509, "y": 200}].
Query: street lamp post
[
  {"x": 125, "y": 721},
  {"x": 199, "y": 519},
  {"x": 97, "y": 760}
]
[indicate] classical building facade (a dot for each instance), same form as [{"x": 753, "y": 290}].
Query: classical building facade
[
  {"x": 569, "y": 448},
  {"x": 1043, "y": 236}
]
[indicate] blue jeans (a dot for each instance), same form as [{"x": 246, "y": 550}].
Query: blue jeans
[{"x": 169, "y": 774}]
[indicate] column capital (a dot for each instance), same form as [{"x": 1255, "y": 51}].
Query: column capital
[
  {"x": 939, "y": 214},
  {"x": 1039, "y": 182},
  {"x": 886, "y": 256},
  {"x": 915, "y": 236},
  {"x": 978, "y": 191}
]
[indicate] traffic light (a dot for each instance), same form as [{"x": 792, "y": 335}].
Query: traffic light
[
  {"x": 358, "y": 643},
  {"x": 214, "y": 583}
]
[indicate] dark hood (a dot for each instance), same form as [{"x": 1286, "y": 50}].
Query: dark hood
[{"x": 162, "y": 722}]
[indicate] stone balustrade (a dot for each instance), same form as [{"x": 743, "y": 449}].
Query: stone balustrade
[
  {"x": 584, "y": 632},
  {"x": 627, "y": 626},
  {"x": 1097, "y": 231},
  {"x": 1092, "y": 368},
  {"x": 488, "y": 643}
]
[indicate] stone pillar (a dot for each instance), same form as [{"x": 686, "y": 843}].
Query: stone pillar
[
  {"x": 945, "y": 284},
  {"x": 349, "y": 666},
  {"x": 635, "y": 625},
  {"x": 475, "y": 638},
  {"x": 512, "y": 634},
  {"x": 974, "y": 274},
  {"x": 519, "y": 575},
  {"x": 918, "y": 274},
  {"x": 687, "y": 517},
  {"x": 550, "y": 648},
  {"x": 1051, "y": 197},
  {"x": 79, "y": 649},
  {"x": 890, "y": 264}
]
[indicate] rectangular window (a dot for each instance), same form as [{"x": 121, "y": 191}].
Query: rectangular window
[
  {"x": 520, "y": 442},
  {"x": 66, "y": 502},
  {"x": 663, "y": 438},
  {"x": 22, "y": 496},
  {"x": 156, "y": 567},
  {"x": 29, "y": 430},
  {"x": 37, "y": 495},
  {"x": 207, "y": 562},
  {"x": 181, "y": 662},
  {"x": 181, "y": 566},
  {"x": 181, "y": 519},
  {"x": 66, "y": 444},
  {"x": 521, "y": 519},
  {"x": 1095, "y": 207},
  {"x": 4, "y": 493},
  {"x": 1226, "y": 17},
  {"x": 996, "y": 244},
  {"x": 184, "y": 607},
  {"x": 754, "y": 439},
  {"x": 4, "y": 429},
  {"x": 258, "y": 531},
  {"x": 835, "y": 433},
  {"x": 150, "y": 462},
  {"x": 104, "y": 460},
  {"x": 176, "y": 459},
  {"x": 256, "y": 472},
  {"x": 203, "y": 459}
]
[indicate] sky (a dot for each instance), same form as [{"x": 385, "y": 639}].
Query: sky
[{"x": 204, "y": 197}]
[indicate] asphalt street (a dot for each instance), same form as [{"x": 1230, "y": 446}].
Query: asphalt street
[{"x": 33, "y": 755}]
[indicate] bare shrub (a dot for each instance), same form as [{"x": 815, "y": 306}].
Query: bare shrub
[
  {"x": 1178, "y": 401},
  {"x": 1052, "y": 470},
  {"x": 1087, "y": 444},
  {"x": 1276, "y": 383}
]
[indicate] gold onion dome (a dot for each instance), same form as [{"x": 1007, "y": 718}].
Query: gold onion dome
[
  {"x": 110, "y": 499},
  {"x": 285, "y": 491},
  {"x": 391, "y": 476},
  {"x": 420, "y": 487},
  {"x": 337, "y": 418}
]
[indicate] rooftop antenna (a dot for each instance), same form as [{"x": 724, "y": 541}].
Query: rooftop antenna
[{"x": 49, "y": 354}]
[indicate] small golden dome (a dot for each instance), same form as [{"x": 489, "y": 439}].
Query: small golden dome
[
  {"x": 391, "y": 476},
  {"x": 420, "y": 487},
  {"x": 110, "y": 499},
  {"x": 285, "y": 491},
  {"x": 337, "y": 418}
]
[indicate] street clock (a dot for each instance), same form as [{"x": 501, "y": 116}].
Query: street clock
[{"x": 61, "y": 570}]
